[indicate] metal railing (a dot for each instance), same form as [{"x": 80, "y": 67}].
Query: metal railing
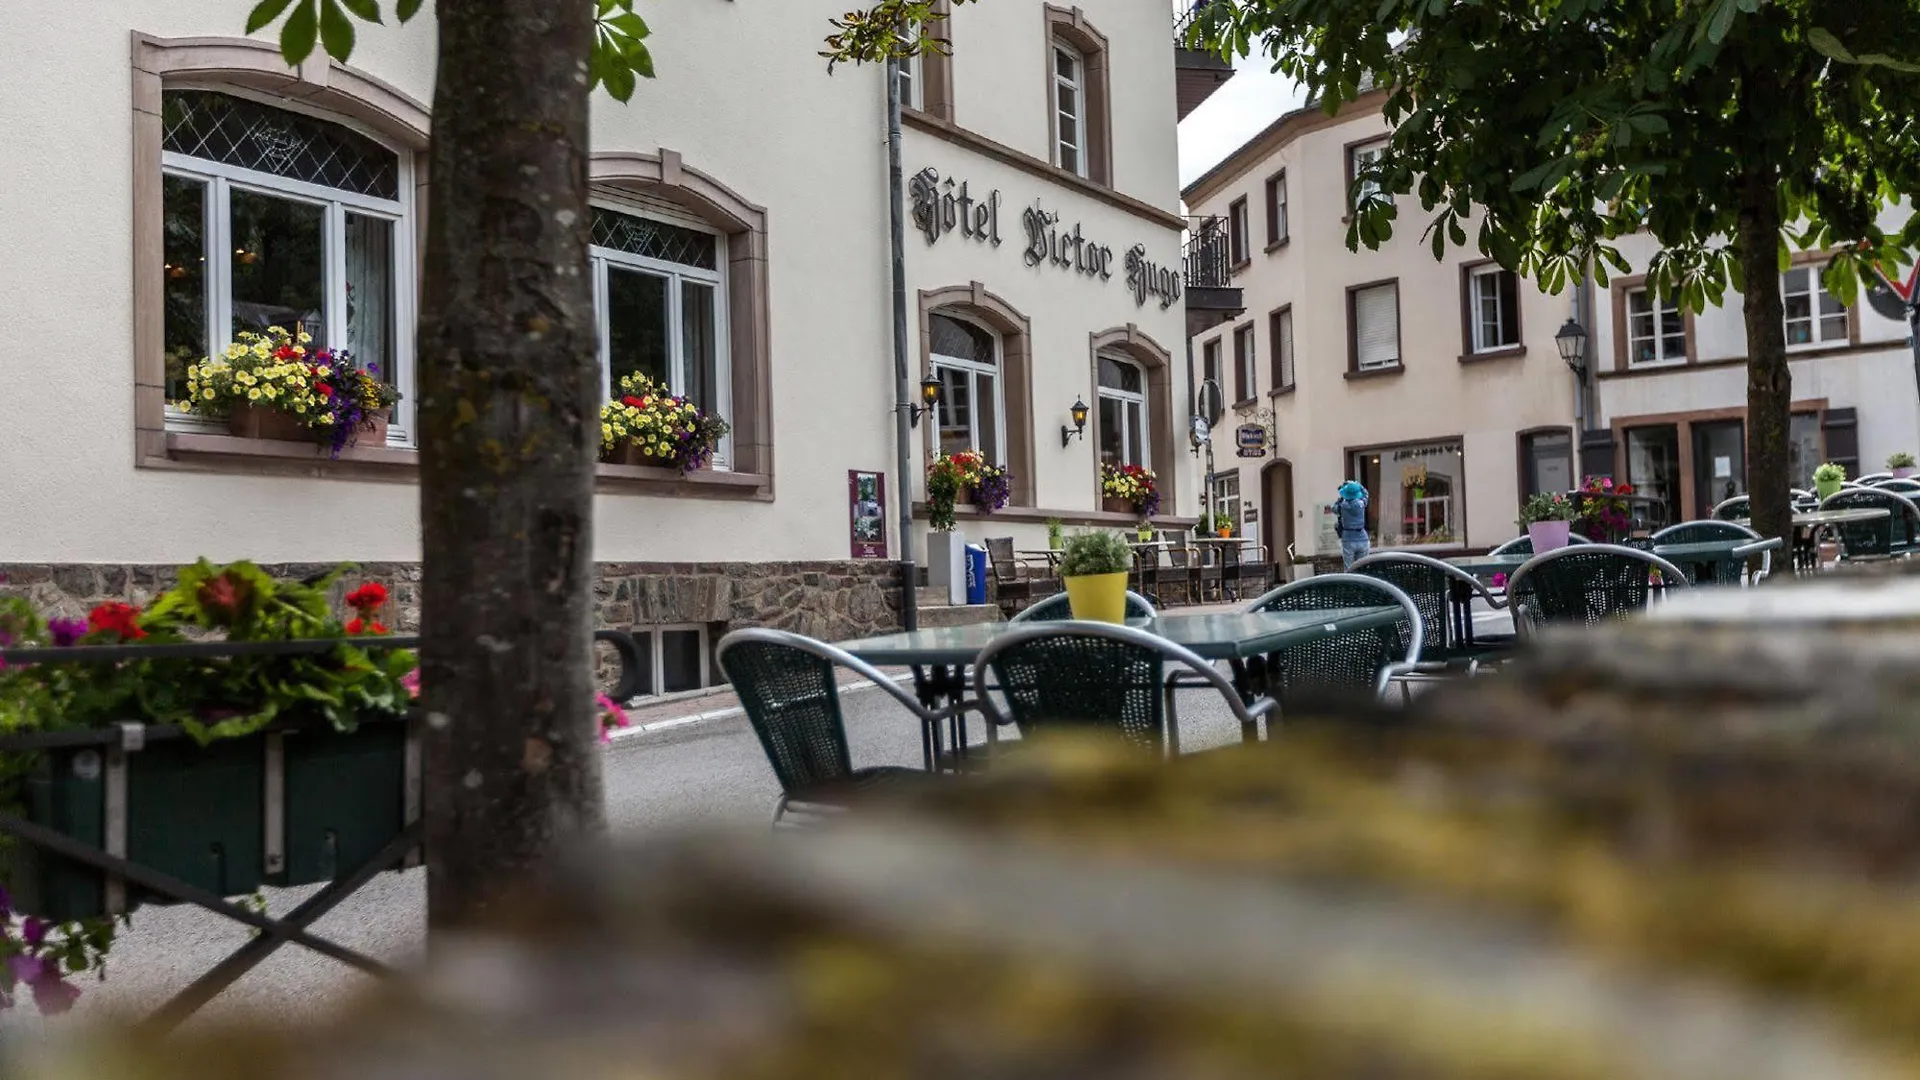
[
  {"x": 1185, "y": 14},
  {"x": 1207, "y": 255}
]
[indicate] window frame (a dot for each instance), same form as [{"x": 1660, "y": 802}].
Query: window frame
[
  {"x": 1816, "y": 288},
  {"x": 1127, "y": 398},
  {"x": 1525, "y": 443},
  {"x": 1456, "y": 523},
  {"x": 1660, "y": 330},
  {"x": 601, "y": 259},
  {"x": 998, "y": 370},
  {"x": 1216, "y": 496},
  {"x": 1371, "y": 148},
  {"x": 1471, "y": 275},
  {"x": 1078, "y": 84},
  {"x": 221, "y": 179},
  {"x": 1281, "y": 360},
  {"x": 1212, "y": 356},
  {"x": 911, "y": 72},
  {"x": 1246, "y": 364},
  {"x": 1354, "y": 368},
  {"x": 1238, "y": 225},
  {"x": 655, "y": 645},
  {"x": 1278, "y": 228}
]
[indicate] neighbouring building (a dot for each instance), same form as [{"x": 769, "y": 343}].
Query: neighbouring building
[
  {"x": 169, "y": 182},
  {"x": 1672, "y": 387},
  {"x": 1435, "y": 383}
]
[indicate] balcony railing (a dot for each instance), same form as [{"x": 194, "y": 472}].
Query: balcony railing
[
  {"x": 1209, "y": 262},
  {"x": 1184, "y": 16}
]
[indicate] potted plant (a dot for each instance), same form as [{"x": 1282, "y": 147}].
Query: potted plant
[
  {"x": 271, "y": 386},
  {"x": 1416, "y": 483},
  {"x": 1828, "y": 478},
  {"x": 649, "y": 426},
  {"x": 1601, "y": 513},
  {"x": 1900, "y": 463},
  {"x": 1128, "y": 489},
  {"x": 1094, "y": 568},
  {"x": 1144, "y": 532},
  {"x": 1056, "y": 532},
  {"x": 1548, "y": 520}
]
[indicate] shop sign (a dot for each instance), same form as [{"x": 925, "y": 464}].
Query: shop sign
[
  {"x": 942, "y": 205},
  {"x": 867, "y": 516},
  {"x": 1251, "y": 440}
]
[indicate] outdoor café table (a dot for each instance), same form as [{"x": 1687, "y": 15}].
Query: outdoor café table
[
  {"x": 1052, "y": 555},
  {"x": 940, "y": 656},
  {"x": 1701, "y": 559},
  {"x": 1808, "y": 523}
]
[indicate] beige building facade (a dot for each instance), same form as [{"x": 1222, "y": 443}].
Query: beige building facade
[
  {"x": 1436, "y": 384},
  {"x": 169, "y": 183}
]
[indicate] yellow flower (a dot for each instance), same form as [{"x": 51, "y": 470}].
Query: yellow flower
[
  {"x": 208, "y": 395},
  {"x": 253, "y": 395},
  {"x": 305, "y": 337},
  {"x": 326, "y": 418},
  {"x": 298, "y": 351}
]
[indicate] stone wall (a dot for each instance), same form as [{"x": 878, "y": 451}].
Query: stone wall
[{"x": 828, "y": 600}]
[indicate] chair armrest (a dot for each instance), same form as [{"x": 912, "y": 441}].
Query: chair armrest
[
  {"x": 1261, "y": 707},
  {"x": 1758, "y": 546}
]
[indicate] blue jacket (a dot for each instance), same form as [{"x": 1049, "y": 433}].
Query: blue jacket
[{"x": 1352, "y": 510}]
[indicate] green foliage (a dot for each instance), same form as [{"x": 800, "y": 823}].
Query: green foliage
[
  {"x": 1900, "y": 459},
  {"x": 1097, "y": 552},
  {"x": 1055, "y": 531},
  {"x": 1547, "y": 506},
  {"x": 1592, "y": 120},
  {"x": 1830, "y": 473},
  {"x": 619, "y": 60},
  {"x": 887, "y": 29}
]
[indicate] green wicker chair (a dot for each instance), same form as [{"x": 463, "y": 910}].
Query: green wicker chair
[
  {"x": 1724, "y": 572},
  {"x": 1899, "y": 485},
  {"x": 1344, "y": 664},
  {"x": 1738, "y": 508},
  {"x": 1055, "y": 608},
  {"x": 1437, "y": 591},
  {"x": 1879, "y": 538},
  {"x": 1095, "y": 677},
  {"x": 787, "y": 689},
  {"x": 1586, "y": 585}
]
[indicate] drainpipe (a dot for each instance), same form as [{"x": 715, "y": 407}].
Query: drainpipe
[
  {"x": 903, "y": 390},
  {"x": 1583, "y": 391}
]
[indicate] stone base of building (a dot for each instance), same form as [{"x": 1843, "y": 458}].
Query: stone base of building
[{"x": 827, "y": 600}]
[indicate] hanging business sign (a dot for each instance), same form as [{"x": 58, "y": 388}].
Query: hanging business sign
[
  {"x": 1251, "y": 440},
  {"x": 867, "y": 515},
  {"x": 947, "y": 204}
]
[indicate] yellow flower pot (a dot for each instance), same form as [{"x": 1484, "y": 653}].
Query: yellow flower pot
[{"x": 1098, "y": 597}]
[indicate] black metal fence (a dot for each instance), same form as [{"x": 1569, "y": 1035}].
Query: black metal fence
[{"x": 1209, "y": 263}]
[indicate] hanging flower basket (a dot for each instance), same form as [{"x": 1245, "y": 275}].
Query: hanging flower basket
[{"x": 271, "y": 386}]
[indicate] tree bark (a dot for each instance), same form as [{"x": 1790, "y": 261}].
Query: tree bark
[
  {"x": 1769, "y": 381},
  {"x": 509, "y": 397}
]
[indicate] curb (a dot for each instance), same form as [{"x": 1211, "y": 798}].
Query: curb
[{"x": 637, "y": 730}]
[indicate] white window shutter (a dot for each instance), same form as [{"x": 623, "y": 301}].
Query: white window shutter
[{"x": 1376, "y": 331}]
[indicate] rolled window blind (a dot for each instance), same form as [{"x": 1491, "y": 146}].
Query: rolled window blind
[{"x": 1376, "y": 327}]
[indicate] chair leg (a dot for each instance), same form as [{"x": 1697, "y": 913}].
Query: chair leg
[
  {"x": 1173, "y": 724},
  {"x": 779, "y": 811}
]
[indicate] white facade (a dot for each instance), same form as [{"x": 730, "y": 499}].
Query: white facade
[
  {"x": 1675, "y": 415},
  {"x": 754, "y": 143},
  {"x": 1403, "y": 374}
]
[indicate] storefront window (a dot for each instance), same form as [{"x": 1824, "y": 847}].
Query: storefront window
[
  {"x": 1653, "y": 464},
  {"x": 1226, "y": 501},
  {"x": 966, "y": 360},
  {"x": 1416, "y": 493},
  {"x": 1804, "y": 449},
  {"x": 1123, "y": 413}
]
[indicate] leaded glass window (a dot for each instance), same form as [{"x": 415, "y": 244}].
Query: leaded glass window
[
  {"x": 276, "y": 218},
  {"x": 250, "y": 135},
  {"x": 966, "y": 359},
  {"x": 652, "y": 239}
]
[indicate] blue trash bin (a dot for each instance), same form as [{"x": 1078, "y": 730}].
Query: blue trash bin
[{"x": 976, "y": 574}]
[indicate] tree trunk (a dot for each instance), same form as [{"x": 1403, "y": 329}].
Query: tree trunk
[
  {"x": 1769, "y": 381},
  {"x": 509, "y": 395}
]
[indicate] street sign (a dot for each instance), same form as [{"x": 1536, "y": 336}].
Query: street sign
[
  {"x": 1251, "y": 440},
  {"x": 1212, "y": 403},
  {"x": 1891, "y": 298}
]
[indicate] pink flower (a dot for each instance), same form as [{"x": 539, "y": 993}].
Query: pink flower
[
  {"x": 1499, "y": 581},
  {"x": 611, "y": 716},
  {"x": 411, "y": 680}
]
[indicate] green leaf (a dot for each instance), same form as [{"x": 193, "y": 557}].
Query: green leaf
[
  {"x": 367, "y": 10},
  {"x": 1826, "y": 44},
  {"x": 618, "y": 78},
  {"x": 406, "y": 9},
  {"x": 298, "y": 33},
  {"x": 336, "y": 30},
  {"x": 265, "y": 12},
  {"x": 1722, "y": 21}
]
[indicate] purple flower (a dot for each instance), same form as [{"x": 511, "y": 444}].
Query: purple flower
[
  {"x": 66, "y": 631},
  {"x": 26, "y": 968},
  {"x": 6, "y": 904},
  {"x": 33, "y": 931},
  {"x": 53, "y": 994}
]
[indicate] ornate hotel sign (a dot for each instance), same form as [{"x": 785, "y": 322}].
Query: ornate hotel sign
[
  {"x": 942, "y": 205},
  {"x": 1251, "y": 440}
]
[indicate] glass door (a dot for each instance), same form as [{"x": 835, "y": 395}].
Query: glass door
[
  {"x": 1653, "y": 464},
  {"x": 1719, "y": 464}
]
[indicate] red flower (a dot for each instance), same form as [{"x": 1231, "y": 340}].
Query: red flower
[
  {"x": 355, "y": 626},
  {"x": 633, "y": 402},
  {"x": 116, "y": 618},
  {"x": 368, "y": 598},
  {"x": 324, "y": 390}
]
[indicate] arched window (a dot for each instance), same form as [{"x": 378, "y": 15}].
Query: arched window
[
  {"x": 661, "y": 301},
  {"x": 273, "y": 217},
  {"x": 1123, "y": 430},
  {"x": 966, "y": 359}
]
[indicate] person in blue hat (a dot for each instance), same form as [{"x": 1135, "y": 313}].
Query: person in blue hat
[{"x": 1351, "y": 521}]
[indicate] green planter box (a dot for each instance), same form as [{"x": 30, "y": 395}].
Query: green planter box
[
  {"x": 200, "y": 814},
  {"x": 345, "y": 799}
]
